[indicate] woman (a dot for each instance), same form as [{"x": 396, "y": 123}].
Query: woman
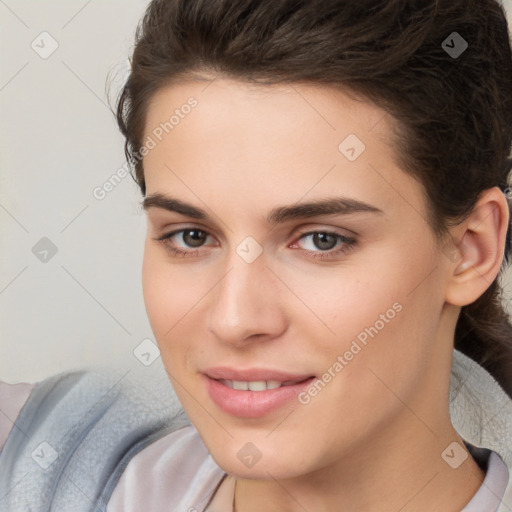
[{"x": 326, "y": 188}]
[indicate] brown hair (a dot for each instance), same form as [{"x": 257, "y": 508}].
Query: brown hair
[{"x": 453, "y": 112}]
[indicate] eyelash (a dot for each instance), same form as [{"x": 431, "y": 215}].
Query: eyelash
[{"x": 348, "y": 244}]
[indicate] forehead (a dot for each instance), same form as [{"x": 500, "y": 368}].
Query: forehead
[
  {"x": 267, "y": 143},
  {"x": 223, "y": 97}
]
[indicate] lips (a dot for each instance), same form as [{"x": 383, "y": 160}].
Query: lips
[{"x": 244, "y": 402}]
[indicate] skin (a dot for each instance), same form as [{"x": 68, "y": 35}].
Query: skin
[{"x": 375, "y": 434}]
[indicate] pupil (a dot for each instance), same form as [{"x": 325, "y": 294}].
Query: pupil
[{"x": 324, "y": 241}]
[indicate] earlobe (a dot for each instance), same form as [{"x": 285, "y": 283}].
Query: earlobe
[{"x": 482, "y": 244}]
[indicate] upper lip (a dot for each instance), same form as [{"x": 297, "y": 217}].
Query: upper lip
[{"x": 254, "y": 374}]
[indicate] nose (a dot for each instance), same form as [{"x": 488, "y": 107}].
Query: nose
[{"x": 245, "y": 304}]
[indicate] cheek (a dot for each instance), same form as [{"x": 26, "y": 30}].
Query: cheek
[
  {"x": 158, "y": 300},
  {"x": 174, "y": 298},
  {"x": 169, "y": 292},
  {"x": 332, "y": 305},
  {"x": 380, "y": 315},
  {"x": 397, "y": 343},
  {"x": 380, "y": 351}
]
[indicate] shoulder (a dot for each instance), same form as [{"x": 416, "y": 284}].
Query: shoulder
[
  {"x": 176, "y": 472},
  {"x": 74, "y": 436},
  {"x": 481, "y": 412},
  {"x": 12, "y": 398}
]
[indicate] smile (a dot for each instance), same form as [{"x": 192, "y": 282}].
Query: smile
[{"x": 254, "y": 398}]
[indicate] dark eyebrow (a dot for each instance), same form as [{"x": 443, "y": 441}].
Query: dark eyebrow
[{"x": 329, "y": 206}]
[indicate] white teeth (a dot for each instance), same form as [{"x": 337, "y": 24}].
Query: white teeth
[
  {"x": 258, "y": 385},
  {"x": 240, "y": 385}
]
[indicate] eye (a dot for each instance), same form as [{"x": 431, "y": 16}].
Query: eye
[
  {"x": 321, "y": 243},
  {"x": 191, "y": 238},
  {"x": 318, "y": 244}
]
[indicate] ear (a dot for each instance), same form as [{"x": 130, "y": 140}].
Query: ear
[{"x": 480, "y": 248}]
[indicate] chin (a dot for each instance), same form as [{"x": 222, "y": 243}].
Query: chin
[{"x": 259, "y": 460}]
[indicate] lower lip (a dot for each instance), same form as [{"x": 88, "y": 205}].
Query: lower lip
[{"x": 252, "y": 404}]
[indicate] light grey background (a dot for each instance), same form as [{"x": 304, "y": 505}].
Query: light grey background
[{"x": 59, "y": 141}]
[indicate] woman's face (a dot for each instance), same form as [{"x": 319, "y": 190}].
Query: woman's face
[{"x": 269, "y": 285}]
